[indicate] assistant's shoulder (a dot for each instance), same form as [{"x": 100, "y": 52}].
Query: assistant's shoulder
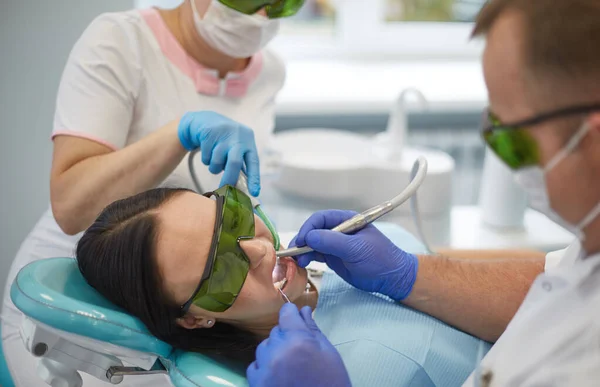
[
  {"x": 273, "y": 58},
  {"x": 113, "y": 29},
  {"x": 119, "y": 21},
  {"x": 114, "y": 39},
  {"x": 274, "y": 66}
]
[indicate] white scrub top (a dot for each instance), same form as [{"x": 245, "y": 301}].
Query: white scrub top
[
  {"x": 554, "y": 339},
  {"x": 126, "y": 77}
]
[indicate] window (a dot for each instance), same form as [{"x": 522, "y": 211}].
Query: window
[
  {"x": 365, "y": 29},
  {"x": 381, "y": 28},
  {"x": 431, "y": 10}
]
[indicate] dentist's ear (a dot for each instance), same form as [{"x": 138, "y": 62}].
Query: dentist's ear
[{"x": 190, "y": 321}]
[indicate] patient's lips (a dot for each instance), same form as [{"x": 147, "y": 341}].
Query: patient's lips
[{"x": 285, "y": 268}]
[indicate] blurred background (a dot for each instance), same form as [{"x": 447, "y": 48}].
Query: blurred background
[{"x": 347, "y": 60}]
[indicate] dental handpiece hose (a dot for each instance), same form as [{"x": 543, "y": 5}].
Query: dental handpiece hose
[{"x": 361, "y": 220}]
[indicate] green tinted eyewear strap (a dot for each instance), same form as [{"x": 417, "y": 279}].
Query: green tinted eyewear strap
[{"x": 261, "y": 214}]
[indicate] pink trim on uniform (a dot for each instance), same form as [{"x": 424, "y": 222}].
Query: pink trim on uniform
[
  {"x": 206, "y": 80},
  {"x": 83, "y": 135}
]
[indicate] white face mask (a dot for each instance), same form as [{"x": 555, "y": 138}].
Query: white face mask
[
  {"x": 234, "y": 33},
  {"x": 533, "y": 180}
]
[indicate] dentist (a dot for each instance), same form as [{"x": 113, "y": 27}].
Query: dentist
[
  {"x": 139, "y": 91},
  {"x": 542, "y": 70}
]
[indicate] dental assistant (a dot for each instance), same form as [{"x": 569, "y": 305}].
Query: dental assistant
[
  {"x": 139, "y": 91},
  {"x": 542, "y": 314}
]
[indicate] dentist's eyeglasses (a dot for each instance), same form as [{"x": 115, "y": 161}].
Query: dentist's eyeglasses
[{"x": 513, "y": 144}]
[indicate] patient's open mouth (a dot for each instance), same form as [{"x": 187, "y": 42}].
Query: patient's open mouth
[{"x": 284, "y": 272}]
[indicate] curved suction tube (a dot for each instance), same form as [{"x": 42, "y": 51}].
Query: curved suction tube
[{"x": 361, "y": 220}]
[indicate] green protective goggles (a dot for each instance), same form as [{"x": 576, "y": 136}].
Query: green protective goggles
[
  {"x": 275, "y": 8},
  {"x": 227, "y": 265},
  {"x": 513, "y": 144}
]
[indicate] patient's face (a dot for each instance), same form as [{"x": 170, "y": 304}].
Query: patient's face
[{"x": 184, "y": 240}]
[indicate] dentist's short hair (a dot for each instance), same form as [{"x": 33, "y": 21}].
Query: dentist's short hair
[{"x": 562, "y": 37}]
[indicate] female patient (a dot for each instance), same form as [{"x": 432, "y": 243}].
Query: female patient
[{"x": 199, "y": 272}]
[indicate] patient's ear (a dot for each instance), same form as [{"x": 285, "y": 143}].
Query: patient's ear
[{"x": 189, "y": 321}]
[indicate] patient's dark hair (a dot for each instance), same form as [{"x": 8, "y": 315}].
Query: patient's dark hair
[{"x": 117, "y": 256}]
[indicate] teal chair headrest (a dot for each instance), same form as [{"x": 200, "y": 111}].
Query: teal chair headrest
[{"x": 53, "y": 292}]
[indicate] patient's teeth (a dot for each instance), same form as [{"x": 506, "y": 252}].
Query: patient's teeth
[{"x": 281, "y": 284}]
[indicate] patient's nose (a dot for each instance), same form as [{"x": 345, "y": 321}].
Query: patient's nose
[
  {"x": 256, "y": 250},
  {"x": 262, "y": 12}
]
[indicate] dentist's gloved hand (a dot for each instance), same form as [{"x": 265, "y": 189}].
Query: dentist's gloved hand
[
  {"x": 297, "y": 354},
  {"x": 226, "y": 145},
  {"x": 367, "y": 260}
]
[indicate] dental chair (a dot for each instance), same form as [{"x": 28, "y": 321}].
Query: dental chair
[{"x": 71, "y": 328}]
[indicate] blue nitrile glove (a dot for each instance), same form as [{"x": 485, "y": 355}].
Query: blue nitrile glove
[
  {"x": 297, "y": 354},
  {"x": 367, "y": 260},
  {"x": 226, "y": 145}
]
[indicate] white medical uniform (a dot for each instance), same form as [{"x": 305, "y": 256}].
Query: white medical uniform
[
  {"x": 554, "y": 339},
  {"x": 126, "y": 77}
]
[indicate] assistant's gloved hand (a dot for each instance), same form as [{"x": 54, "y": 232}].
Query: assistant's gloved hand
[
  {"x": 367, "y": 260},
  {"x": 297, "y": 354},
  {"x": 225, "y": 144}
]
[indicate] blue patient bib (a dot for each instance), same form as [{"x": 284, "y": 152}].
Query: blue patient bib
[{"x": 384, "y": 343}]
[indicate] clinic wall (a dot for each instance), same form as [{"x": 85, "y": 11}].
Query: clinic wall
[{"x": 36, "y": 37}]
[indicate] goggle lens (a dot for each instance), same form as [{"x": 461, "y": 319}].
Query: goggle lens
[
  {"x": 230, "y": 265},
  {"x": 514, "y": 146},
  {"x": 275, "y": 8}
]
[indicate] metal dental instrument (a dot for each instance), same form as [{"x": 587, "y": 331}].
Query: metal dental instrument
[
  {"x": 284, "y": 296},
  {"x": 361, "y": 220},
  {"x": 280, "y": 288}
]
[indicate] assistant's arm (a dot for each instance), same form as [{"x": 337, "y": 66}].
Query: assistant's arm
[
  {"x": 94, "y": 161},
  {"x": 86, "y": 176}
]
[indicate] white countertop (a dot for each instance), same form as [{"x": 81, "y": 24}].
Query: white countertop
[
  {"x": 468, "y": 232},
  {"x": 362, "y": 87}
]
